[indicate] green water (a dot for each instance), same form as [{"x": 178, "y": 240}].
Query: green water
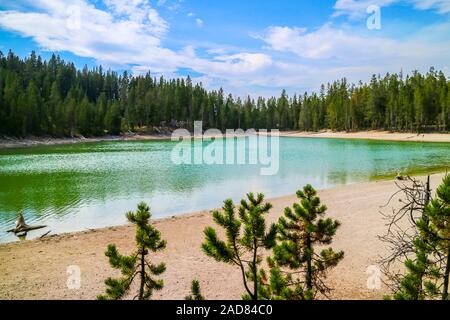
[{"x": 82, "y": 186}]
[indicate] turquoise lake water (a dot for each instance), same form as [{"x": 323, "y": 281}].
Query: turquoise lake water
[{"x": 83, "y": 186}]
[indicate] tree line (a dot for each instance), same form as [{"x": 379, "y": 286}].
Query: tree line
[{"x": 55, "y": 98}]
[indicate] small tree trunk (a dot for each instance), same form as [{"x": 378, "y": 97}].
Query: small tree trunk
[
  {"x": 446, "y": 277},
  {"x": 255, "y": 271},
  {"x": 428, "y": 194},
  {"x": 309, "y": 285},
  {"x": 244, "y": 277},
  {"x": 426, "y": 220},
  {"x": 141, "y": 289}
]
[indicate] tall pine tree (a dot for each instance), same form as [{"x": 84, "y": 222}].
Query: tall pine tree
[
  {"x": 427, "y": 275},
  {"x": 438, "y": 213},
  {"x": 300, "y": 263}
]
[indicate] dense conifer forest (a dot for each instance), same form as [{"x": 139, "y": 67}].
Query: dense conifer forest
[{"x": 54, "y": 98}]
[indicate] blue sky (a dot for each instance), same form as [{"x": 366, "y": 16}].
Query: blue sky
[{"x": 256, "y": 47}]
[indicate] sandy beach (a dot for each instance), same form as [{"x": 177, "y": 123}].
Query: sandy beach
[
  {"x": 372, "y": 135},
  {"x": 37, "y": 269}
]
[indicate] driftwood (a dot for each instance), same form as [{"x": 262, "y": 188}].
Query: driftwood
[
  {"x": 45, "y": 234},
  {"x": 22, "y": 227}
]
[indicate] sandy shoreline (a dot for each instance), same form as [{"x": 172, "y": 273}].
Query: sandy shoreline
[
  {"x": 37, "y": 269},
  {"x": 372, "y": 135},
  {"x": 8, "y": 142}
]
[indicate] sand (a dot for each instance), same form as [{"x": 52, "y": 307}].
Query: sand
[
  {"x": 372, "y": 135},
  {"x": 37, "y": 269}
]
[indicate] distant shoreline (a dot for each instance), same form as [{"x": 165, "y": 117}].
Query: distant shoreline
[
  {"x": 10, "y": 142},
  {"x": 371, "y": 135}
]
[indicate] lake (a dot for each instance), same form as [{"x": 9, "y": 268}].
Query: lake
[{"x": 83, "y": 186}]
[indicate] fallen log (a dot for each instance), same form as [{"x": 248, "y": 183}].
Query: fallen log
[
  {"x": 26, "y": 229},
  {"x": 22, "y": 227}
]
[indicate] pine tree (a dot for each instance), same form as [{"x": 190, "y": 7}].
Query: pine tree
[
  {"x": 419, "y": 106},
  {"x": 438, "y": 234},
  {"x": 246, "y": 237},
  {"x": 298, "y": 269},
  {"x": 404, "y": 241},
  {"x": 136, "y": 266},
  {"x": 413, "y": 285},
  {"x": 113, "y": 119},
  {"x": 195, "y": 292},
  {"x": 427, "y": 276}
]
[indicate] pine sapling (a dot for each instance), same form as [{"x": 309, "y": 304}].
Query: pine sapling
[
  {"x": 246, "y": 237},
  {"x": 298, "y": 268},
  {"x": 136, "y": 266},
  {"x": 196, "y": 294}
]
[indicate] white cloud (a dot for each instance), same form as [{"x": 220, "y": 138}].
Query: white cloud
[
  {"x": 156, "y": 22},
  {"x": 328, "y": 42},
  {"x": 344, "y": 45},
  {"x": 140, "y": 12},
  {"x": 441, "y": 6},
  {"x": 107, "y": 37},
  {"x": 243, "y": 62},
  {"x": 330, "y": 53},
  {"x": 199, "y": 22},
  {"x": 130, "y": 32}
]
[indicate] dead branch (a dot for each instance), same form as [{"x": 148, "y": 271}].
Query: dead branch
[
  {"x": 45, "y": 234},
  {"x": 22, "y": 227},
  {"x": 402, "y": 226}
]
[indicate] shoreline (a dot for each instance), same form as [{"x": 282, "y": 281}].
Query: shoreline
[
  {"x": 371, "y": 135},
  {"x": 11, "y": 143},
  {"x": 37, "y": 268}
]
